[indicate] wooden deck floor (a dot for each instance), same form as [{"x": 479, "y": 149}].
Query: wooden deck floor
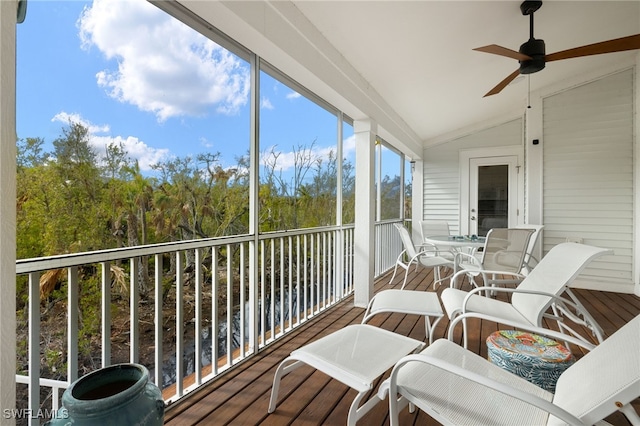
[{"x": 308, "y": 397}]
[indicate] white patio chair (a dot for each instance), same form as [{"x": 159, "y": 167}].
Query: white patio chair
[
  {"x": 502, "y": 260},
  {"x": 428, "y": 258},
  {"x": 430, "y": 228},
  {"x": 529, "y": 259},
  {"x": 433, "y": 227},
  {"x": 456, "y": 386},
  {"x": 531, "y": 299}
]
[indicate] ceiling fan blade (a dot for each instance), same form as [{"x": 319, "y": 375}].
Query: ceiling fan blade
[
  {"x": 502, "y": 51},
  {"x": 609, "y": 46},
  {"x": 503, "y": 83}
]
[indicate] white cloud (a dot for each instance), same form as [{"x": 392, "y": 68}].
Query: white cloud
[
  {"x": 349, "y": 146},
  {"x": 286, "y": 161},
  {"x": 68, "y": 118},
  {"x": 205, "y": 142},
  {"x": 163, "y": 66},
  {"x": 293, "y": 95},
  {"x": 266, "y": 103},
  {"x": 135, "y": 148}
]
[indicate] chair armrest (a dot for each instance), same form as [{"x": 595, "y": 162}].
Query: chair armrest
[
  {"x": 554, "y": 297},
  {"x": 561, "y": 304},
  {"x": 487, "y": 382},
  {"x": 471, "y": 258},
  {"x": 556, "y": 335},
  {"x": 526, "y": 327},
  {"x": 425, "y": 252},
  {"x": 483, "y": 272}
]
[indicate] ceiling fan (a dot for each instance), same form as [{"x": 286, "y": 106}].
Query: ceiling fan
[{"x": 532, "y": 55}]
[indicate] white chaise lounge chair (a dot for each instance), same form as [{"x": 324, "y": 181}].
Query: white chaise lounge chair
[
  {"x": 538, "y": 292},
  {"x": 456, "y": 386}
]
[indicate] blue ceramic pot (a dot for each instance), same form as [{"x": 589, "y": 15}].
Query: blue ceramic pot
[{"x": 117, "y": 395}]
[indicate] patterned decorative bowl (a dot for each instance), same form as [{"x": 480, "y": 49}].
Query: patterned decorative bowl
[{"x": 537, "y": 359}]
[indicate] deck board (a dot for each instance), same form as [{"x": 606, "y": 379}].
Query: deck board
[{"x": 308, "y": 397}]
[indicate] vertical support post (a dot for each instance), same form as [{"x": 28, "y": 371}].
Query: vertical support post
[
  {"x": 339, "y": 271},
  {"x": 365, "y": 136},
  {"x": 254, "y": 185},
  {"x": 636, "y": 183},
  {"x": 533, "y": 191},
  {"x": 8, "y": 13},
  {"x": 417, "y": 194}
]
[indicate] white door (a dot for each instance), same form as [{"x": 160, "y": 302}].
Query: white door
[{"x": 491, "y": 193}]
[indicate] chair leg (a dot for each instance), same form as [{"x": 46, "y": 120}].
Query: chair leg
[
  {"x": 394, "y": 273},
  {"x": 464, "y": 333},
  {"x": 630, "y": 413},
  {"x": 285, "y": 367},
  {"x": 406, "y": 274}
]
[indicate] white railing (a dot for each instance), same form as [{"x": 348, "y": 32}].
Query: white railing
[
  {"x": 388, "y": 246},
  {"x": 223, "y": 299}
]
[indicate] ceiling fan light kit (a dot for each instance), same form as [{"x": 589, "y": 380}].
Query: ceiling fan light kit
[{"x": 532, "y": 54}]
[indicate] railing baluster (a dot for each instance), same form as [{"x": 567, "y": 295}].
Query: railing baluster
[
  {"x": 298, "y": 305},
  {"x": 312, "y": 283},
  {"x": 158, "y": 320},
  {"x": 243, "y": 302},
  {"x": 330, "y": 270},
  {"x": 338, "y": 264},
  {"x": 55, "y": 397},
  {"x": 281, "y": 280},
  {"x": 229, "y": 308},
  {"x": 105, "y": 299},
  {"x": 215, "y": 313},
  {"x": 306, "y": 280},
  {"x": 34, "y": 344},
  {"x": 290, "y": 256},
  {"x": 72, "y": 324},
  {"x": 134, "y": 300},
  {"x": 272, "y": 288},
  {"x": 319, "y": 304},
  {"x": 179, "y": 325},
  {"x": 325, "y": 270},
  {"x": 198, "y": 320},
  {"x": 263, "y": 315}
]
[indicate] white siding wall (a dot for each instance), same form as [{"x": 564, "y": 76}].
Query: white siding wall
[
  {"x": 588, "y": 174},
  {"x": 442, "y": 169}
]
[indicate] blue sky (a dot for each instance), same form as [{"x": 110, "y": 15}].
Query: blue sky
[{"x": 135, "y": 76}]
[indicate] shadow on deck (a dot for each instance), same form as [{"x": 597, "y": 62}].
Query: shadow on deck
[{"x": 308, "y": 397}]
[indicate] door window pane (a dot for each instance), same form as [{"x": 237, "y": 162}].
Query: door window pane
[{"x": 493, "y": 197}]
